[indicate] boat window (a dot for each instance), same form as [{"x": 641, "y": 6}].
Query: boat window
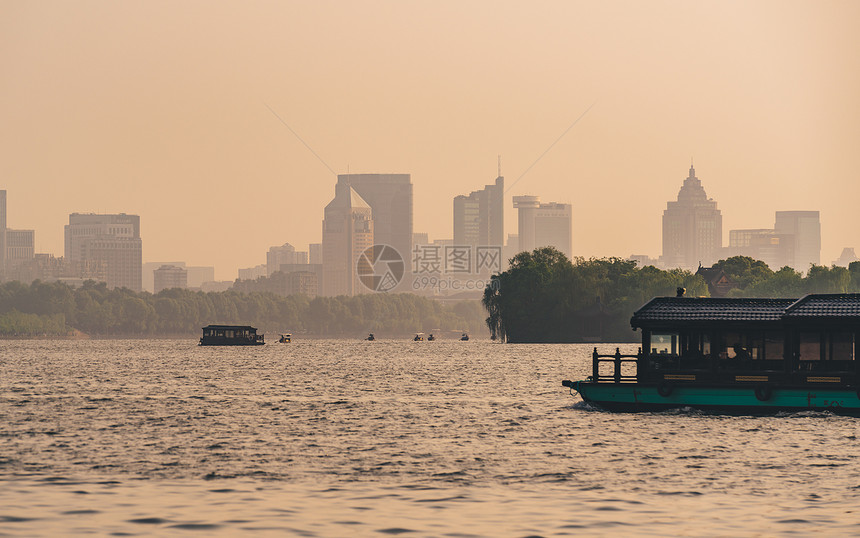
[
  {"x": 810, "y": 346},
  {"x": 695, "y": 345},
  {"x": 743, "y": 346},
  {"x": 228, "y": 334},
  {"x": 754, "y": 346},
  {"x": 664, "y": 343},
  {"x": 730, "y": 343},
  {"x": 841, "y": 346},
  {"x": 774, "y": 342}
]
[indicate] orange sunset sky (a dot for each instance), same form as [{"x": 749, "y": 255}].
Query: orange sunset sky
[{"x": 159, "y": 109}]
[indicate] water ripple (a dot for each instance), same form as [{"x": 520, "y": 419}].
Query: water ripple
[{"x": 321, "y": 438}]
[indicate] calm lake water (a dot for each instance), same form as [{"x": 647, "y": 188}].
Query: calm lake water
[{"x": 335, "y": 438}]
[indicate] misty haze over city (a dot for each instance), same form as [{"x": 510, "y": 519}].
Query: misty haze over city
[
  {"x": 429, "y": 268},
  {"x": 166, "y": 112}
]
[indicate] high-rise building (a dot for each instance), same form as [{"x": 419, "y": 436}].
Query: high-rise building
[
  {"x": 692, "y": 227},
  {"x": 112, "y": 239},
  {"x": 390, "y": 199},
  {"x": 20, "y": 246},
  {"x": 479, "y": 217},
  {"x": 148, "y": 273},
  {"x": 348, "y": 230},
  {"x": 199, "y": 274},
  {"x": 543, "y": 224},
  {"x": 467, "y": 220},
  {"x": 303, "y": 284},
  {"x": 315, "y": 253},
  {"x": 805, "y": 226},
  {"x": 168, "y": 277},
  {"x": 774, "y": 249},
  {"x": 277, "y": 256},
  {"x": 511, "y": 249}
]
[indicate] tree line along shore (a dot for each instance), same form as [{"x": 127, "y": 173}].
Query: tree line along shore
[
  {"x": 543, "y": 297},
  {"x": 53, "y": 309}
]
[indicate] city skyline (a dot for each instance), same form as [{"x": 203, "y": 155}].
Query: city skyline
[
  {"x": 100, "y": 117},
  {"x": 801, "y": 227}
]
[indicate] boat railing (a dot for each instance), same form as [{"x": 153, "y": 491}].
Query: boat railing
[{"x": 618, "y": 361}]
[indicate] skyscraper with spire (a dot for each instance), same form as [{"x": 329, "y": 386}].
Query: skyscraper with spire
[{"x": 692, "y": 227}]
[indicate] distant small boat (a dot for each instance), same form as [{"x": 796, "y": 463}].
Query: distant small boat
[
  {"x": 285, "y": 338},
  {"x": 431, "y": 338},
  {"x": 418, "y": 337},
  {"x": 464, "y": 338},
  {"x": 231, "y": 335},
  {"x": 370, "y": 337}
]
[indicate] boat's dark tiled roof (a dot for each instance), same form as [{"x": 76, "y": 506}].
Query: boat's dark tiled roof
[
  {"x": 841, "y": 305},
  {"x": 710, "y": 309}
]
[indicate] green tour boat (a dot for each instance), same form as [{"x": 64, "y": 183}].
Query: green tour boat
[{"x": 739, "y": 356}]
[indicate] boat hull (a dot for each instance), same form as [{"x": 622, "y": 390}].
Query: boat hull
[
  {"x": 223, "y": 342},
  {"x": 745, "y": 400}
]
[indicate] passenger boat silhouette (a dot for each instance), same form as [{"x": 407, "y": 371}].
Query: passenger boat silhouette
[
  {"x": 231, "y": 335},
  {"x": 735, "y": 355}
]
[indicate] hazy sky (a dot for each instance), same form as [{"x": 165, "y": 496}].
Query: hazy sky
[{"x": 159, "y": 109}]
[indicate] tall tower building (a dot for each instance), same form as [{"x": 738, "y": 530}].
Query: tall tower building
[
  {"x": 543, "y": 225},
  {"x": 110, "y": 239},
  {"x": 479, "y": 217},
  {"x": 390, "y": 198},
  {"x": 348, "y": 229},
  {"x": 805, "y": 226},
  {"x": 692, "y": 227}
]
